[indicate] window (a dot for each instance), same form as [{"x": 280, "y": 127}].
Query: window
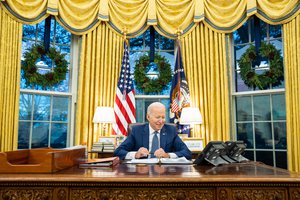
[
  {"x": 260, "y": 115},
  {"x": 45, "y": 114},
  {"x": 138, "y": 47}
]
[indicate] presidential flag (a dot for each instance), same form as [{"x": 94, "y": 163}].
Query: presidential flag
[
  {"x": 125, "y": 102},
  {"x": 179, "y": 95}
]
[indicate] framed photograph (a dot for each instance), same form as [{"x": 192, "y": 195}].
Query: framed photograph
[{"x": 194, "y": 144}]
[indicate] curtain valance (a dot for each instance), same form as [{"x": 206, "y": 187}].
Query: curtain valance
[{"x": 167, "y": 16}]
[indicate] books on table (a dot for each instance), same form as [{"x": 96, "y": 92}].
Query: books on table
[
  {"x": 169, "y": 161},
  {"x": 100, "y": 162}
]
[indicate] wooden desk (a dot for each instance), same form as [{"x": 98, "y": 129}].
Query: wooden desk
[{"x": 126, "y": 181}]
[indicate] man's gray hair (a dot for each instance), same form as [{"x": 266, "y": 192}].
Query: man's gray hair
[{"x": 152, "y": 105}]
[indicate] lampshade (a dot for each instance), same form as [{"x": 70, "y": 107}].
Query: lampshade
[
  {"x": 104, "y": 115},
  {"x": 190, "y": 115}
]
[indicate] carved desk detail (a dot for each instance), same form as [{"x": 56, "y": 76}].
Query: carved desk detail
[{"x": 249, "y": 181}]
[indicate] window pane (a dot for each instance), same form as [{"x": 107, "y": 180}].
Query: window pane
[
  {"x": 166, "y": 102},
  {"x": 278, "y": 107},
  {"x": 29, "y": 32},
  {"x": 23, "y": 136},
  {"x": 142, "y": 105},
  {"x": 275, "y": 31},
  {"x": 41, "y": 30},
  {"x": 59, "y": 135},
  {"x": 261, "y": 108},
  {"x": 25, "y": 107},
  {"x": 62, "y": 36},
  {"x": 166, "y": 43},
  {"x": 281, "y": 158},
  {"x": 239, "y": 84},
  {"x": 239, "y": 51},
  {"x": 41, "y": 108},
  {"x": 140, "y": 110},
  {"x": 263, "y": 135},
  {"x": 280, "y": 135},
  {"x": 136, "y": 43},
  {"x": 147, "y": 39},
  {"x": 241, "y": 35},
  {"x": 263, "y": 29},
  {"x": 243, "y": 109},
  {"x": 60, "y": 109},
  {"x": 249, "y": 155},
  {"x": 40, "y": 135},
  {"x": 63, "y": 86},
  {"x": 245, "y": 133},
  {"x": 265, "y": 157}
]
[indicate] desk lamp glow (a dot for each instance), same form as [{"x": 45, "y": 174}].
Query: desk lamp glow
[
  {"x": 190, "y": 116},
  {"x": 103, "y": 116}
]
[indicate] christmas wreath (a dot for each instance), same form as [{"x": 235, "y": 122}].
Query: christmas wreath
[
  {"x": 147, "y": 84},
  {"x": 30, "y": 70},
  {"x": 272, "y": 76}
]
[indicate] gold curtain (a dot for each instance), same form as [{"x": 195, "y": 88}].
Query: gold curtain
[
  {"x": 208, "y": 82},
  {"x": 80, "y": 17},
  {"x": 291, "y": 42},
  {"x": 100, "y": 64},
  {"x": 10, "y": 56}
]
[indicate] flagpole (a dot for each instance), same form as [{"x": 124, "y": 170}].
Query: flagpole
[
  {"x": 125, "y": 41},
  {"x": 178, "y": 32}
]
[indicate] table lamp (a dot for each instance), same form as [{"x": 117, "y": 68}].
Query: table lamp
[
  {"x": 104, "y": 115},
  {"x": 190, "y": 115}
]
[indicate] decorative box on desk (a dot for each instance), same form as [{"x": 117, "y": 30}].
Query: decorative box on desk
[{"x": 43, "y": 160}]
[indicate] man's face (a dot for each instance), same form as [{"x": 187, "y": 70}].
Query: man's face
[{"x": 157, "y": 118}]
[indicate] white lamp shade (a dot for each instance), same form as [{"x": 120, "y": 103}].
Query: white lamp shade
[
  {"x": 104, "y": 115},
  {"x": 190, "y": 115}
]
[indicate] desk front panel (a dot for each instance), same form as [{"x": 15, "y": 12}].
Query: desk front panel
[{"x": 234, "y": 181}]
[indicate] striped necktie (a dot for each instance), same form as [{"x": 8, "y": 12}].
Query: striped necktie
[{"x": 155, "y": 145}]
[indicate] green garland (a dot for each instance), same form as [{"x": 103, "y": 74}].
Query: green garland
[
  {"x": 272, "y": 76},
  {"x": 31, "y": 75},
  {"x": 152, "y": 85}
]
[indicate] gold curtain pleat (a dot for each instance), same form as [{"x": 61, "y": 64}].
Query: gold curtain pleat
[
  {"x": 100, "y": 64},
  {"x": 80, "y": 17},
  {"x": 291, "y": 42},
  {"x": 10, "y": 56},
  {"x": 173, "y": 15},
  {"x": 76, "y": 15},
  {"x": 205, "y": 63},
  {"x": 129, "y": 15}
]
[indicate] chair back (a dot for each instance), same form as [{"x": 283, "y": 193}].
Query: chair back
[{"x": 129, "y": 129}]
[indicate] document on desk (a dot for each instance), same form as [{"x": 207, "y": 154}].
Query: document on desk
[{"x": 169, "y": 161}]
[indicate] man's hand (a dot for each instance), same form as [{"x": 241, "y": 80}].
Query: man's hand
[
  {"x": 141, "y": 153},
  {"x": 160, "y": 153}
]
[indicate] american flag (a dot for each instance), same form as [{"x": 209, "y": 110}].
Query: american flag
[
  {"x": 125, "y": 102},
  {"x": 179, "y": 95}
]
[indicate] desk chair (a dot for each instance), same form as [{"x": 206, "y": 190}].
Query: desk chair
[{"x": 129, "y": 129}]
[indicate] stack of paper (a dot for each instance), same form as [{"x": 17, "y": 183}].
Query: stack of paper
[
  {"x": 172, "y": 161},
  {"x": 100, "y": 162}
]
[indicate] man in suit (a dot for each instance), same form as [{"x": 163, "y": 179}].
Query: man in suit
[{"x": 153, "y": 139}]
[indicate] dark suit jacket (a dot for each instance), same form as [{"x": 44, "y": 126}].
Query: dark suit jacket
[{"x": 139, "y": 137}]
